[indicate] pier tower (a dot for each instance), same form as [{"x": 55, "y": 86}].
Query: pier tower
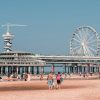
[{"x": 7, "y": 38}]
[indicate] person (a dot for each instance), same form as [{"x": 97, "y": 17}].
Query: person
[
  {"x": 0, "y": 78},
  {"x": 58, "y": 78},
  {"x": 65, "y": 75},
  {"x": 84, "y": 74},
  {"x": 26, "y": 76},
  {"x": 50, "y": 80},
  {"x": 54, "y": 84},
  {"x": 8, "y": 77},
  {"x": 41, "y": 76},
  {"x": 22, "y": 76},
  {"x": 80, "y": 74},
  {"x": 99, "y": 75},
  {"x": 14, "y": 76}
]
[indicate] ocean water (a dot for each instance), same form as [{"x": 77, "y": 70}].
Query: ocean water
[{"x": 56, "y": 69}]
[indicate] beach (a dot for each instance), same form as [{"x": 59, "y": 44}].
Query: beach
[{"x": 38, "y": 90}]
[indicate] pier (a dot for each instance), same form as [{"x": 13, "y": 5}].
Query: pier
[{"x": 83, "y": 57}]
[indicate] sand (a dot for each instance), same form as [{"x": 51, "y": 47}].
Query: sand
[{"x": 38, "y": 90}]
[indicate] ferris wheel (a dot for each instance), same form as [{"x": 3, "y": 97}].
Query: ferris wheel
[{"x": 85, "y": 42}]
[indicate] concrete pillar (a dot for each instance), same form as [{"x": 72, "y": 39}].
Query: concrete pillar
[
  {"x": 65, "y": 68},
  {"x": 9, "y": 70},
  {"x": 6, "y": 70},
  {"x": 24, "y": 70},
  {"x": 20, "y": 70},
  {"x": 99, "y": 68},
  {"x": 37, "y": 69},
  {"x": 52, "y": 68},
  {"x": 12, "y": 69},
  {"x": 73, "y": 69},
  {"x": 84, "y": 69},
  {"x": 42, "y": 69},
  {"x": 17, "y": 69},
  {"x": 29, "y": 69},
  {"x": 80, "y": 68},
  {"x": 1, "y": 70},
  {"x": 92, "y": 69},
  {"x": 69, "y": 69},
  {"x": 32, "y": 69}
]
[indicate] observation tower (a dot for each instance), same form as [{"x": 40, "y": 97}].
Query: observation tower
[{"x": 7, "y": 39}]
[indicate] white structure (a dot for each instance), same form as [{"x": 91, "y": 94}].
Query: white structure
[
  {"x": 85, "y": 42},
  {"x": 8, "y": 37}
]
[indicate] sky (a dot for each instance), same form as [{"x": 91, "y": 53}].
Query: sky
[{"x": 50, "y": 23}]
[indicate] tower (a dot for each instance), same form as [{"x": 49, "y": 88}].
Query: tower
[{"x": 8, "y": 37}]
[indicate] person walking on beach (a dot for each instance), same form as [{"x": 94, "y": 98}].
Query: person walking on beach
[
  {"x": 58, "y": 78},
  {"x": 8, "y": 77},
  {"x": 41, "y": 76},
  {"x": 99, "y": 75},
  {"x": 26, "y": 76},
  {"x": 50, "y": 80}
]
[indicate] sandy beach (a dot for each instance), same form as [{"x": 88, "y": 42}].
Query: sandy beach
[{"x": 38, "y": 90}]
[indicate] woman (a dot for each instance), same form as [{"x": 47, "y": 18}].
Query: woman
[{"x": 58, "y": 78}]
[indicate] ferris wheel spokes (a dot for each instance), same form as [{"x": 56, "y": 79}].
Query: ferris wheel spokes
[{"x": 85, "y": 41}]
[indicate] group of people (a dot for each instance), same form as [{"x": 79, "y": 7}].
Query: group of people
[
  {"x": 26, "y": 77},
  {"x": 15, "y": 77},
  {"x": 51, "y": 82}
]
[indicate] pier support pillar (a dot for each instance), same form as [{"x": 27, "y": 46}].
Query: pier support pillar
[
  {"x": 65, "y": 68},
  {"x": 37, "y": 70},
  {"x": 52, "y": 68},
  {"x": 32, "y": 70},
  {"x": 42, "y": 70},
  {"x": 29, "y": 69},
  {"x": 69, "y": 69},
  {"x": 24, "y": 70},
  {"x": 1, "y": 71},
  {"x": 99, "y": 68},
  {"x": 6, "y": 70},
  {"x": 17, "y": 69}
]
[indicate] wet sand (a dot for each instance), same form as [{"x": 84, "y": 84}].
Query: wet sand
[{"x": 38, "y": 90}]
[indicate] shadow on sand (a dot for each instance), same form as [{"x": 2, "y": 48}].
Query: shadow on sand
[{"x": 36, "y": 87}]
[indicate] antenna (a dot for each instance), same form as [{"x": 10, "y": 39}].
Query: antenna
[
  {"x": 8, "y": 36},
  {"x": 8, "y": 25}
]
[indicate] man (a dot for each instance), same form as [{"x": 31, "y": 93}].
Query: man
[{"x": 50, "y": 80}]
